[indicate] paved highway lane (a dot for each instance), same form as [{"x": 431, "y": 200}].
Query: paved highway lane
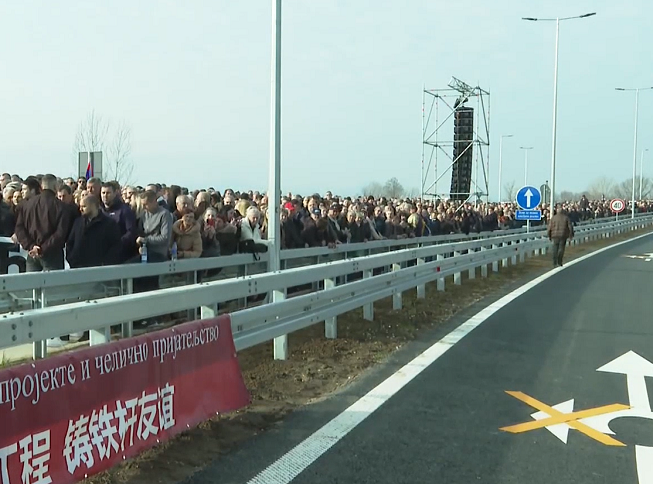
[{"x": 448, "y": 417}]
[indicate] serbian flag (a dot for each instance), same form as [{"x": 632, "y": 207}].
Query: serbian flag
[{"x": 89, "y": 170}]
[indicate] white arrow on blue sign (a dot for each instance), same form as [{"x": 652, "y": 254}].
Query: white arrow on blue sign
[{"x": 528, "y": 198}]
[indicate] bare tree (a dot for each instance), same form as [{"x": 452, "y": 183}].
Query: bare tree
[
  {"x": 91, "y": 133},
  {"x": 510, "y": 189},
  {"x": 119, "y": 164},
  {"x": 96, "y": 134},
  {"x": 393, "y": 189},
  {"x": 625, "y": 189},
  {"x": 413, "y": 193},
  {"x": 601, "y": 187},
  {"x": 568, "y": 196},
  {"x": 374, "y": 188}
]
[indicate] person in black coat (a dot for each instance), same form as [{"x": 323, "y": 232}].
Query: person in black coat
[{"x": 94, "y": 239}]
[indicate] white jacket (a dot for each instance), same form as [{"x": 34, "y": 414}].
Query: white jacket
[{"x": 249, "y": 233}]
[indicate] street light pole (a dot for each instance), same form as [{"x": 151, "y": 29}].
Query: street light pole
[
  {"x": 555, "y": 97},
  {"x": 632, "y": 210},
  {"x": 526, "y": 150},
  {"x": 501, "y": 163},
  {"x": 554, "y": 143},
  {"x": 274, "y": 183},
  {"x": 637, "y": 89},
  {"x": 641, "y": 174}
]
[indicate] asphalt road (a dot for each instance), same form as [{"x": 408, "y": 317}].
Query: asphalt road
[{"x": 445, "y": 425}]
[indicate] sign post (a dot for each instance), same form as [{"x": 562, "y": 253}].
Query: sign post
[
  {"x": 617, "y": 206},
  {"x": 528, "y": 199}
]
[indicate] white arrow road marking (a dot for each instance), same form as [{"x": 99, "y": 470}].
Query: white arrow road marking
[
  {"x": 559, "y": 430},
  {"x": 636, "y": 369},
  {"x": 644, "y": 459}
]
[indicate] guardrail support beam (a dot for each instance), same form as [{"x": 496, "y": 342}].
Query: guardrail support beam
[
  {"x": 513, "y": 258},
  {"x": 440, "y": 283},
  {"x": 495, "y": 263},
  {"x": 127, "y": 287},
  {"x": 280, "y": 342},
  {"x": 39, "y": 348},
  {"x": 457, "y": 277},
  {"x": 522, "y": 253},
  {"x": 484, "y": 265},
  {"x": 397, "y": 302},
  {"x": 368, "y": 309},
  {"x": 99, "y": 336},
  {"x": 421, "y": 289},
  {"x": 504, "y": 262},
  {"x": 208, "y": 312},
  {"x": 472, "y": 270},
  {"x": 330, "y": 324}
]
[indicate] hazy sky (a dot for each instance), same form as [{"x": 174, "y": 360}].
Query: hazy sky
[{"x": 192, "y": 79}]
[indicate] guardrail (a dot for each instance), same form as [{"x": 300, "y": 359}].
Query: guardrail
[
  {"x": 43, "y": 289},
  {"x": 26, "y": 290},
  {"x": 410, "y": 268}
]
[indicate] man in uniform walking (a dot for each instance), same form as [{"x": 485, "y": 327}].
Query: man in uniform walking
[{"x": 559, "y": 231}]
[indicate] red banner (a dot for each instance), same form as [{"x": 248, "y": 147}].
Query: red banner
[{"x": 76, "y": 414}]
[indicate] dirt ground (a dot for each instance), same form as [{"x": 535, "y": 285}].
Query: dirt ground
[{"x": 316, "y": 368}]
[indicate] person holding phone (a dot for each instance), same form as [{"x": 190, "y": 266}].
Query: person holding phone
[{"x": 210, "y": 245}]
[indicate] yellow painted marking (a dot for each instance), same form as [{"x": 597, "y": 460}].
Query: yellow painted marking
[{"x": 570, "y": 419}]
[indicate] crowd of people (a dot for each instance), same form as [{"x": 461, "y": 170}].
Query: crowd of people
[{"x": 94, "y": 223}]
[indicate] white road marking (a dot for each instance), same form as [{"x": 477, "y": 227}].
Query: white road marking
[
  {"x": 559, "y": 430},
  {"x": 295, "y": 461},
  {"x": 644, "y": 458}
]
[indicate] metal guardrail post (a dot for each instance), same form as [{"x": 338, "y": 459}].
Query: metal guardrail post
[
  {"x": 472, "y": 270},
  {"x": 127, "y": 287},
  {"x": 280, "y": 344},
  {"x": 504, "y": 262},
  {"x": 457, "y": 277},
  {"x": 242, "y": 272},
  {"x": 421, "y": 289},
  {"x": 495, "y": 263},
  {"x": 39, "y": 348},
  {"x": 397, "y": 302},
  {"x": 522, "y": 253},
  {"x": 440, "y": 283},
  {"x": 368, "y": 309},
  {"x": 513, "y": 259},
  {"x": 209, "y": 312},
  {"x": 330, "y": 324},
  {"x": 191, "y": 278},
  {"x": 484, "y": 265}
]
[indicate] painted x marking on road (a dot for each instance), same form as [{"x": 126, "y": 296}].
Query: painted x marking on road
[{"x": 571, "y": 419}]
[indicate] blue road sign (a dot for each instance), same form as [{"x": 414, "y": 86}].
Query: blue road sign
[
  {"x": 528, "y": 215},
  {"x": 528, "y": 198}
]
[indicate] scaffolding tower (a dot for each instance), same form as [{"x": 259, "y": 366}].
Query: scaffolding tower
[{"x": 441, "y": 146}]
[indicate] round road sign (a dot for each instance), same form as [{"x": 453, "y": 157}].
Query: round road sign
[{"x": 617, "y": 205}]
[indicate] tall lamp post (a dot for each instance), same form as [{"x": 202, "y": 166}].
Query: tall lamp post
[
  {"x": 636, "y": 89},
  {"x": 557, "y": 20},
  {"x": 526, "y": 150},
  {"x": 501, "y": 163},
  {"x": 641, "y": 174},
  {"x": 274, "y": 182}
]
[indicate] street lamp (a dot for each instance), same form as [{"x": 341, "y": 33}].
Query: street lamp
[
  {"x": 555, "y": 94},
  {"x": 636, "y": 89},
  {"x": 274, "y": 182},
  {"x": 526, "y": 150},
  {"x": 501, "y": 162},
  {"x": 641, "y": 174}
]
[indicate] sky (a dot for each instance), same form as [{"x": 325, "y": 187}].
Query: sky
[{"x": 192, "y": 79}]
